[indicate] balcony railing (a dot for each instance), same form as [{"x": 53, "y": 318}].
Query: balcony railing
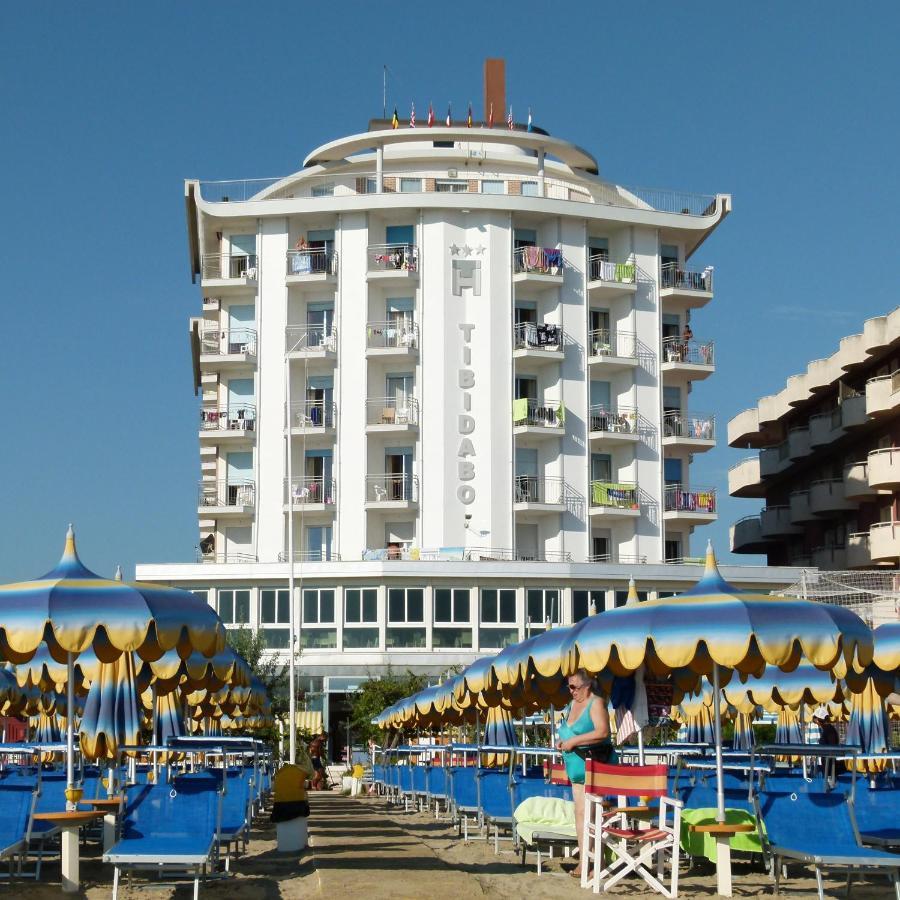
[
  {"x": 392, "y": 488},
  {"x": 313, "y": 414},
  {"x": 398, "y": 335},
  {"x": 601, "y": 269},
  {"x": 538, "y": 260},
  {"x": 392, "y": 411},
  {"x": 230, "y": 342},
  {"x": 393, "y": 257},
  {"x": 613, "y": 342},
  {"x": 537, "y": 336},
  {"x": 311, "y": 262},
  {"x": 489, "y": 554},
  {"x": 539, "y": 489},
  {"x": 620, "y": 558},
  {"x": 694, "y": 426},
  {"x": 225, "y": 492},
  {"x": 681, "y": 500},
  {"x": 228, "y": 265},
  {"x": 615, "y": 494},
  {"x": 614, "y": 420},
  {"x": 685, "y": 280},
  {"x": 695, "y": 353},
  {"x": 317, "y": 338},
  {"x": 310, "y": 556},
  {"x": 232, "y": 418},
  {"x": 225, "y": 558},
  {"x": 304, "y": 490},
  {"x": 543, "y": 415}
]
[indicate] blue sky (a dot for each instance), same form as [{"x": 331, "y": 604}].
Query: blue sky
[{"x": 108, "y": 107}]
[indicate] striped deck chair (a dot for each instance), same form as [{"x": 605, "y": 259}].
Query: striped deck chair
[{"x": 632, "y": 848}]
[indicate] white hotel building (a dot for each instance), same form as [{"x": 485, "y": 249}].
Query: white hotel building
[{"x": 444, "y": 375}]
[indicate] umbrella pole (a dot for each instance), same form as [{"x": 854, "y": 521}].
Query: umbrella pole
[
  {"x": 70, "y": 727},
  {"x": 640, "y": 737},
  {"x": 717, "y": 723}
]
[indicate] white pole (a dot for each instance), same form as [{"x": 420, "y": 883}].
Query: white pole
[
  {"x": 640, "y": 737},
  {"x": 717, "y": 722},
  {"x": 70, "y": 726},
  {"x": 292, "y": 696}
]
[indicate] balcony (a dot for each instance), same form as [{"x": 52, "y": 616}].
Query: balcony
[
  {"x": 392, "y": 263},
  {"x": 692, "y": 431},
  {"x": 612, "y": 349},
  {"x": 233, "y": 348},
  {"x": 325, "y": 555},
  {"x": 746, "y": 536},
  {"x": 744, "y": 479},
  {"x": 607, "y": 279},
  {"x": 853, "y": 411},
  {"x": 228, "y": 272},
  {"x": 539, "y": 494},
  {"x": 798, "y": 443},
  {"x": 859, "y": 554},
  {"x": 232, "y": 425},
  {"x": 883, "y": 394},
  {"x": 618, "y": 425},
  {"x": 537, "y": 268},
  {"x": 682, "y": 289},
  {"x": 776, "y": 522},
  {"x": 395, "y": 414},
  {"x": 615, "y": 500},
  {"x": 226, "y": 499},
  {"x": 829, "y": 557},
  {"x": 537, "y": 418},
  {"x": 397, "y": 339},
  {"x": 312, "y": 417},
  {"x": 825, "y": 427},
  {"x": 224, "y": 558},
  {"x": 697, "y": 506},
  {"x": 314, "y": 267},
  {"x": 800, "y": 510},
  {"x": 884, "y": 542},
  {"x": 310, "y": 493},
  {"x": 884, "y": 468},
  {"x": 626, "y": 559},
  {"x": 313, "y": 342},
  {"x": 856, "y": 481},
  {"x": 388, "y": 492},
  {"x": 538, "y": 342},
  {"x": 773, "y": 460},
  {"x": 826, "y": 497},
  {"x": 687, "y": 360}
]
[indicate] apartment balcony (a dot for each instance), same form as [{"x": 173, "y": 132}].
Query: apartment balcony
[
  {"x": 392, "y": 263},
  {"x": 537, "y": 268},
  {"x": 539, "y": 494},
  {"x": 392, "y": 414},
  {"x": 853, "y": 411},
  {"x": 547, "y": 419},
  {"x": 614, "y": 500},
  {"x": 884, "y": 468},
  {"x": 397, "y": 340},
  {"x": 609, "y": 279},
  {"x": 859, "y": 553},
  {"x": 827, "y": 497},
  {"x": 625, "y": 559},
  {"x": 311, "y": 342},
  {"x": 798, "y": 443},
  {"x": 884, "y": 542},
  {"x": 308, "y": 494},
  {"x": 774, "y": 460},
  {"x": 228, "y": 273},
  {"x": 312, "y": 267},
  {"x": 226, "y": 499},
  {"x": 746, "y": 536},
  {"x": 681, "y": 289},
  {"x": 691, "y": 431},
  {"x": 222, "y": 559},
  {"x": 856, "y": 482},
  {"x": 618, "y": 425},
  {"x": 689, "y": 506},
  {"x": 825, "y": 428},
  {"x": 392, "y": 492},
  {"x": 744, "y": 478},
  {"x": 232, "y": 425},
  {"x": 309, "y": 418},
  {"x": 233, "y": 348},
  {"x": 829, "y": 558},
  {"x": 310, "y": 556},
  {"x": 776, "y": 522},
  {"x": 684, "y": 361},
  {"x": 800, "y": 510},
  {"x": 612, "y": 349},
  {"x": 883, "y": 394},
  {"x": 538, "y": 342}
]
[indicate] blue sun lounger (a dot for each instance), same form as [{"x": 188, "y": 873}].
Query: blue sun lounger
[
  {"x": 464, "y": 797},
  {"x": 170, "y": 829},
  {"x": 17, "y": 802},
  {"x": 877, "y": 813}
]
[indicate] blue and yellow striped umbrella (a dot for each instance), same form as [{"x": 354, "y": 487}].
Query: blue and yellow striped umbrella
[
  {"x": 112, "y": 711},
  {"x": 170, "y": 718},
  {"x": 868, "y": 727},
  {"x": 198, "y": 672},
  {"x": 530, "y": 674},
  {"x": 744, "y": 737},
  {"x": 774, "y": 688}
]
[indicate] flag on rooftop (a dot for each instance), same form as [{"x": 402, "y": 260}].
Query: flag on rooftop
[
  {"x": 395, "y": 119},
  {"x": 491, "y": 117},
  {"x": 412, "y": 116},
  {"x": 530, "y": 126},
  {"x": 509, "y": 120},
  {"x": 448, "y": 115},
  {"x": 430, "y": 115},
  {"x": 469, "y": 117}
]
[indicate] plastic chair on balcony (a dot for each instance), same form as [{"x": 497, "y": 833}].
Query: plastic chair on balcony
[
  {"x": 301, "y": 493},
  {"x": 388, "y": 415},
  {"x": 380, "y": 493}
]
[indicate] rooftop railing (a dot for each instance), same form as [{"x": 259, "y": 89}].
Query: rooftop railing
[
  {"x": 615, "y": 494},
  {"x": 305, "y": 490},
  {"x": 694, "y": 426},
  {"x": 228, "y": 265},
  {"x": 392, "y": 257},
  {"x": 539, "y": 489},
  {"x": 538, "y": 260},
  {"x": 392, "y": 488},
  {"x": 302, "y": 338},
  {"x": 602, "y": 269},
  {"x": 228, "y": 342},
  {"x": 613, "y": 419},
  {"x": 310, "y": 556},
  {"x": 537, "y": 336},
  {"x": 231, "y": 418},
  {"x": 547, "y": 414},
  {"x": 225, "y": 558},
  {"x": 693, "y": 352},
  {"x": 679, "y": 499},
  {"x": 613, "y": 342},
  {"x": 311, "y": 262},
  {"x": 402, "y": 334},
  {"x": 671, "y": 276},
  {"x": 392, "y": 411},
  {"x": 313, "y": 414},
  {"x": 227, "y": 492},
  {"x": 620, "y": 558}
]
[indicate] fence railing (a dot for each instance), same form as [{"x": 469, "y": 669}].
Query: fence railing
[
  {"x": 311, "y": 262},
  {"x": 546, "y": 414},
  {"x": 392, "y": 411},
  {"x": 313, "y": 414},
  {"x": 613, "y": 342},
  {"x": 538, "y": 260},
  {"x": 539, "y": 489},
  {"x": 601, "y": 269},
  {"x": 671, "y": 276},
  {"x": 402, "y": 334},
  {"x": 388, "y": 257},
  {"x": 696, "y": 426},
  {"x": 693, "y": 352},
  {"x": 309, "y": 556},
  {"x": 621, "y": 558},
  {"x": 231, "y": 418},
  {"x": 230, "y": 342},
  {"x": 306, "y": 490},
  {"x": 679, "y": 499},
  {"x": 614, "y": 420},
  {"x": 228, "y": 265},
  {"x": 226, "y": 492},
  {"x": 537, "y": 336},
  {"x": 225, "y": 558},
  {"x": 615, "y": 494},
  {"x": 392, "y": 488},
  {"x": 318, "y": 338}
]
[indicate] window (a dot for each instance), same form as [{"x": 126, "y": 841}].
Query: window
[
  {"x": 323, "y": 190},
  {"x": 446, "y": 145},
  {"x": 371, "y": 186},
  {"x": 451, "y": 605},
  {"x": 201, "y": 594},
  {"x": 234, "y": 607},
  {"x": 498, "y": 607},
  {"x": 542, "y": 605},
  {"x": 530, "y": 189},
  {"x": 361, "y": 619},
  {"x": 410, "y": 185},
  {"x": 672, "y": 471},
  {"x": 598, "y": 248},
  {"x": 318, "y": 613},
  {"x": 497, "y": 638},
  {"x": 275, "y": 611},
  {"x": 668, "y": 254},
  {"x": 490, "y": 186},
  {"x": 622, "y": 597},
  {"x": 406, "y": 610},
  {"x": 582, "y": 601},
  {"x": 451, "y": 186},
  {"x": 673, "y": 549}
]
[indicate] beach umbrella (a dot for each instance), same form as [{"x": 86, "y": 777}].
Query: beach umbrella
[
  {"x": 789, "y": 728},
  {"x": 744, "y": 736},
  {"x": 71, "y": 609},
  {"x": 112, "y": 713},
  {"x": 170, "y": 718},
  {"x": 868, "y": 727}
]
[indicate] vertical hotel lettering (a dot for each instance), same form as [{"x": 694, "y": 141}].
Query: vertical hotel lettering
[{"x": 466, "y": 421}]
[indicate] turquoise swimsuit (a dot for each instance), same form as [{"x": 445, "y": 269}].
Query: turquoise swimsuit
[{"x": 583, "y": 724}]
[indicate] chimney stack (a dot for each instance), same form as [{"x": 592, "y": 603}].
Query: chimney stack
[{"x": 495, "y": 89}]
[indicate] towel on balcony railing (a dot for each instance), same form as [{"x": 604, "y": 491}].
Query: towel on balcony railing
[
  {"x": 607, "y": 493},
  {"x": 624, "y": 271},
  {"x": 532, "y": 257},
  {"x": 520, "y": 411},
  {"x": 552, "y": 258}
]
